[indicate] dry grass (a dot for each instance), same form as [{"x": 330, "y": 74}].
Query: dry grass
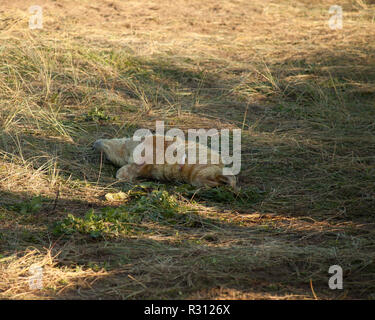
[
  {"x": 302, "y": 93},
  {"x": 18, "y": 271}
]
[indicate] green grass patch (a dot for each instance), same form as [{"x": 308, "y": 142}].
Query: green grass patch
[
  {"x": 32, "y": 206},
  {"x": 222, "y": 194},
  {"x": 143, "y": 207}
]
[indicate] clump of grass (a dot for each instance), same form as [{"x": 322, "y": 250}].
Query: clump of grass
[
  {"x": 110, "y": 221},
  {"x": 223, "y": 194},
  {"x": 156, "y": 206},
  {"x": 31, "y": 206},
  {"x": 97, "y": 114}
]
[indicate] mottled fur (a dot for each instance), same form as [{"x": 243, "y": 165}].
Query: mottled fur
[{"x": 120, "y": 153}]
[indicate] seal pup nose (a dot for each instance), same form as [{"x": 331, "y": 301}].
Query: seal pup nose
[{"x": 98, "y": 145}]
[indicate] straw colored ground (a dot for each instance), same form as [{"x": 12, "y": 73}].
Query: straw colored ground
[{"x": 303, "y": 95}]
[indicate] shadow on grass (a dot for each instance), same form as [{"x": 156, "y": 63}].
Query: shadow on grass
[{"x": 175, "y": 252}]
